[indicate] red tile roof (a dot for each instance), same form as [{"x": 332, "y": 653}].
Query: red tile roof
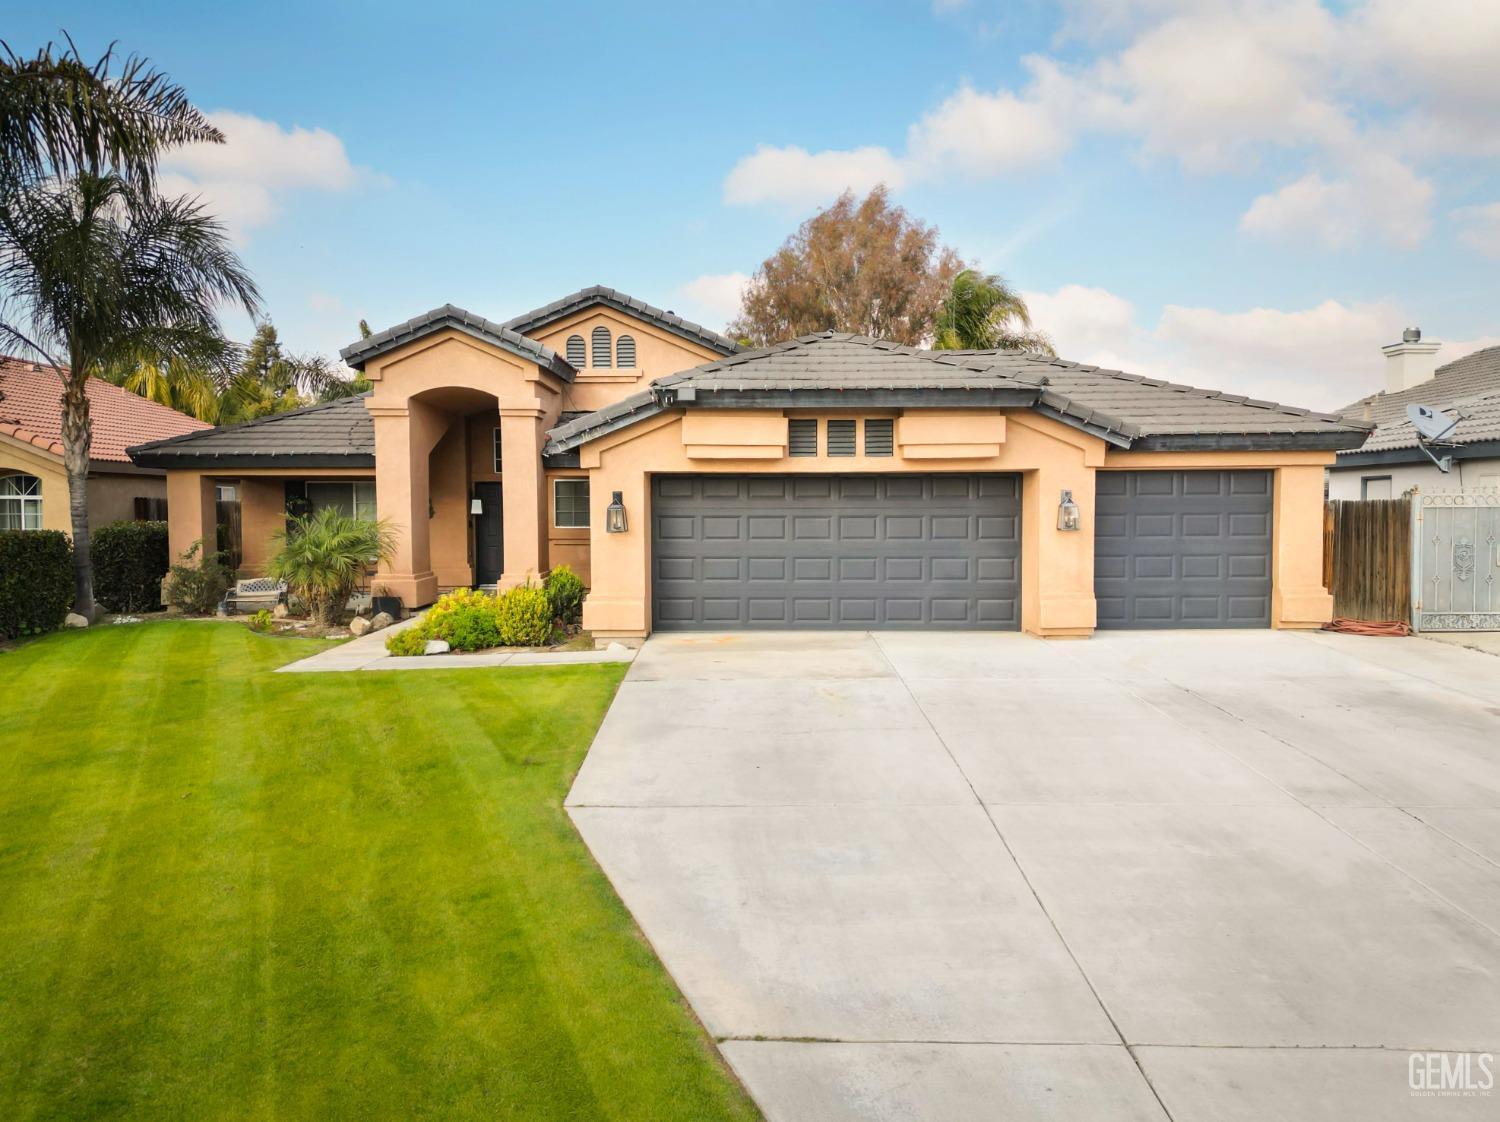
[{"x": 31, "y": 411}]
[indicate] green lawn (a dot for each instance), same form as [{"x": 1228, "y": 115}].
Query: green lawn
[{"x": 227, "y": 893}]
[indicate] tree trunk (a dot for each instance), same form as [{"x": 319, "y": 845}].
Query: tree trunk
[{"x": 78, "y": 435}]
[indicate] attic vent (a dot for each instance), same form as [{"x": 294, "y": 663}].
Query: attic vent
[
  {"x": 841, "y": 438},
  {"x": 625, "y": 351},
  {"x": 601, "y": 347},
  {"x": 880, "y": 437},
  {"x": 802, "y": 436},
  {"x": 577, "y": 355}
]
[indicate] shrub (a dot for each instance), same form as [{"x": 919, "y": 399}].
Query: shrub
[
  {"x": 197, "y": 585},
  {"x": 261, "y": 620},
  {"x": 565, "y": 590},
  {"x": 323, "y": 555},
  {"x": 36, "y": 581},
  {"x": 467, "y": 618},
  {"x": 130, "y": 559},
  {"x": 525, "y": 616},
  {"x": 412, "y": 641}
]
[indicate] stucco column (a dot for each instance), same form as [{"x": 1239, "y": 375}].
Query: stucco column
[
  {"x": 404, "y": 435},
  {"x": 1298, "y": 598},
  {"x": 1057, "y": 566},
  {"x": 191, "y": 513},
  {"x": 618, "y": 605},
  {"x": 522, "y": 487}
]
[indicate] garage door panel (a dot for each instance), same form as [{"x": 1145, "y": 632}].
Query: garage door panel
[
  {"x": 1183, "y": 549},
  {"x": 850, "y": 556}
]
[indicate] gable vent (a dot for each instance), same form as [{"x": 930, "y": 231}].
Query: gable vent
[
  {"x": 841, "y": 438},
  {"x": 577, "y": 354},
  {"x": 802, "y": 436},
  {"x": 880, "y": 438},
  {"x": 601, "y": 347},
  {"x": 625, "y": 351}
]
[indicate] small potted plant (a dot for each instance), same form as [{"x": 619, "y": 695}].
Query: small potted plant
[{"x": 384, "y": 601}]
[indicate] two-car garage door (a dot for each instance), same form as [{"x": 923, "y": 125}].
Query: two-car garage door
[
  {"x": 942, "y": 551},
  {"x": 836, "y": 551}
]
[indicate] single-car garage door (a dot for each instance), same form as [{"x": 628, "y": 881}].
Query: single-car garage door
[
  {"x": 1183, "y": 548},
  {"x": 836, "y": 551}
]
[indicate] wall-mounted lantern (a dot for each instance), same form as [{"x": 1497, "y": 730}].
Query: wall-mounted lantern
[
  {"x": 476, "y": 506},
  {"x": 614, "y": 515},
  {"x": 1068, "y": 517}
]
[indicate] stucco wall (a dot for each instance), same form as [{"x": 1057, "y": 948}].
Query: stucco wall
[
  {"x": 657, "y": 353},
  {"x": 17, "y": 457},
  {"x": 1344, "y": 483},
  {"x": 1057, "y": 566},
  {"x": 112, "y": 495}
]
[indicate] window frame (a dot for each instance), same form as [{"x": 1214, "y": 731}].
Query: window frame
[
  {"x": 24, "y": 501},
  {"x": 587, "y": 523},
  {"x": 495, "y": 450},
  {"x": 1366, "y": 480},
  {"x": 355, "y": 502}
]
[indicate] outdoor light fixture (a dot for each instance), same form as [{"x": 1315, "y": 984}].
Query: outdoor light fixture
[
  {"x": 614, "y": 515},
  {"x": 1068, "y": 517},
  {"x": 476, "y": 506}
]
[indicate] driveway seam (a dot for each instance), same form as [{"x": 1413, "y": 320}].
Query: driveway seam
[{"x": 995, "y": 826}]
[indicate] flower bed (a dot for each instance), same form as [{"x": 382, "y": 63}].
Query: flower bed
[{"x": 525, "y": 616}]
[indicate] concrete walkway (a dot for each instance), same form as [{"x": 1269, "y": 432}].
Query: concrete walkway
[
  {"x": 1200, "y": 876},
  {"x": 368, "y": 653}
]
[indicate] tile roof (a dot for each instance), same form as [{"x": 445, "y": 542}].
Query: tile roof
[
  {"x": 1129, "y": 410},
  {"x": 622, "y": 302},
  {"x": 1468, "y": 388},
  {"x": 336, "y": 434},
  {"x": 31, "y": 412},
  {"x": 450, "y": 315}
]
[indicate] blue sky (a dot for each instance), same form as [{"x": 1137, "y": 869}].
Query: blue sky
[{"x": 1252, "y": 196}]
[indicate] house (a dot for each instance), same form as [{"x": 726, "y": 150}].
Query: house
[
  {"x": 1391, "y": 461},
  {"x": 33, "y": 479},
  {"x": 829, "y": 481}
]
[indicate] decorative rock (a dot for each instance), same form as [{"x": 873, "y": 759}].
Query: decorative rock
[
  {"x": 436, "y": 646},
  {"x": 280, "y": 612},
  {"x": 358, "y": 626},
  {"x": 75, "y": 620},
  {"x": 616, "y": 648},
  {"x": 382, "y": 619}
]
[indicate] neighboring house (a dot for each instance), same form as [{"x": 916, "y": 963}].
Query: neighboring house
[
  {"x": 1391, "y": 462},
  {"x": 830, "y": 481},
  {"x": 33, "y": 480}
]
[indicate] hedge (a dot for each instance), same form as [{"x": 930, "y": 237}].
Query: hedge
[
  {"x": 36, "y": 581},
  {"x": 130, "y": 560}
]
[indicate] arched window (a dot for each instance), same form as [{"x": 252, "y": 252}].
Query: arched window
[
  {"x": 577, "y": 356},
  {"x": 601, "y": 346},
  {"x": 625, "y": 351},
  {"x": 20, "y": 502}
]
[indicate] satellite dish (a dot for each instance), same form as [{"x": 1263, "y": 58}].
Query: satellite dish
[{"x": 1430, "y": 423}]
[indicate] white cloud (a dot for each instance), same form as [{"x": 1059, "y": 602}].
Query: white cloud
[
  {"x": 714, "y": 297},
  {"x": 244, "y": 180},
  {"x": 986, "y": 134},
  {"x": 1321, "y": 357},
  {"x": 798, "y": 177},
  {"x": 1481, "y": 228},
  {"x": 1380, "y": 198}
]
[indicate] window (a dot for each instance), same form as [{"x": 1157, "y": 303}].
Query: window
[
  {"x": 497, "y": 449},
  {"x": 880, "y": 437},
  {"x": 1375, "y": 487},
  {"x": 625, "y": 351},
  {"x": 149, "y": 509},
  {"x": 570, "y": 504},
  {"x": 226, "y": 492},
  {"x": 802, "y": 436},
  {"x": 601, "y": 347},
  {"x": 577, "y": 356},
  {"x": 350, "y": 497},
  {"x": 841, "y": 438},
  {"x": 20, "y": 502}
]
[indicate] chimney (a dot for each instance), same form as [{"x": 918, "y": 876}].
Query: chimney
[{"x": 1410, "y": 362}]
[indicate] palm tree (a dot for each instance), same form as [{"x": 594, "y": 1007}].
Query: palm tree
[
  {"x": 96, "y": 268},
  {"x": 322, "y": 557},
  {"x": 982, "y": 312}
]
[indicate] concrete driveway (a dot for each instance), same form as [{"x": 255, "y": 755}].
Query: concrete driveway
[{"x": 1216, "y": 876}]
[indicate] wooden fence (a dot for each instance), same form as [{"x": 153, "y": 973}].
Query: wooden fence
[{"x": 1367, "y": 558}]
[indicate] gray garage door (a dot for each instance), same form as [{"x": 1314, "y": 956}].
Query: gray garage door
[
  {"x": 1183, "y": 548},
  {"x": 836, "y": 551}
]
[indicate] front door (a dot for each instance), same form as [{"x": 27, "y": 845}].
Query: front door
[{"x": 489, "y": 535}]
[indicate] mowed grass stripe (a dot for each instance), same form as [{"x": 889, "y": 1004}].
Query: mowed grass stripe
[{"x": 310, "y": 896}]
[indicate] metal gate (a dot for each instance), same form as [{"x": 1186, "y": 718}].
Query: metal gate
[{"x": 1455, "y": 582}]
